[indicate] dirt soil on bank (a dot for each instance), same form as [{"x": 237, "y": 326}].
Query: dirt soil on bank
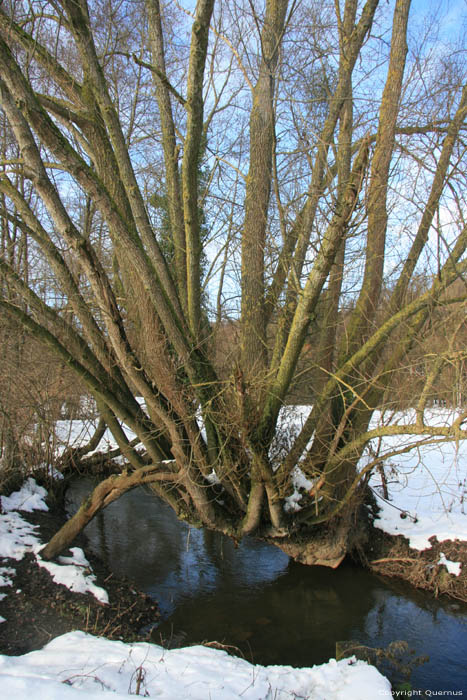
[
  {"x": 391, "y": 555},
  {"x": 36, "y": 609}
]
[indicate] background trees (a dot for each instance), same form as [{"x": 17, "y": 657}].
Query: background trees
[{"x": 278, "y": 173}]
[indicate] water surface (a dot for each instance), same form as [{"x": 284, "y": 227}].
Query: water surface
[{"x": 271, "y": 608}]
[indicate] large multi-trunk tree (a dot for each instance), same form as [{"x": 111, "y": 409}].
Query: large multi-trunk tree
[{"x": 218, "y": 198}]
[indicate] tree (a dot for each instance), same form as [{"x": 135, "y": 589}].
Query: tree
[{"x": 332, "y": 165}]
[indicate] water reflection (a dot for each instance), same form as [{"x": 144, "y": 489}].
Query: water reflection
[
  {"x": 274, "y": 610},
  {"x": 437, "y": 630},
  {"x": 169, "y": 559},
  {"x": 294, "y": 620}
]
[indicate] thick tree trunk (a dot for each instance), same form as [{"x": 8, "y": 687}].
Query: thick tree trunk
[{"x": 258, "y": 188}]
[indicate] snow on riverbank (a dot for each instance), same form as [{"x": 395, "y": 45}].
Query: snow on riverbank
[
  {"x": 77, "y": 663},
  {"x": 17, "y": 537}
]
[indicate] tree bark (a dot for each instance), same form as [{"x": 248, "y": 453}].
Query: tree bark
[{"x": 262, "y": 138}]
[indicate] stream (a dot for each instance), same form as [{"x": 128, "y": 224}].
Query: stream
[{"x": 274, "y": 610}]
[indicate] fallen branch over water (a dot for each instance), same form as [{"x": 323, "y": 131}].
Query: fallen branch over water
[{"x": 107, "y": 491}]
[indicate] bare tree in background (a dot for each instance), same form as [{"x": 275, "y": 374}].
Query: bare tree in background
[{"x": 255, "y": 171}]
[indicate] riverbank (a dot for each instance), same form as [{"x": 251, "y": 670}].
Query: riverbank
[
  {"x": 440, "y": 569},
  {"x": 35, "y": 610}
]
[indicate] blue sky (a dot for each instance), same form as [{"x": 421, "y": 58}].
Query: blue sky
[{"x": 451, "y": 15}]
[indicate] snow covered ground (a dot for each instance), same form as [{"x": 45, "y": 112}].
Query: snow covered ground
[
  {"x": 79, "y": 665},
  {"x": 427, "y": 487},
  {"x": 17, "y": 537}
]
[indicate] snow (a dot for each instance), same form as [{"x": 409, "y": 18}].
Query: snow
[
  {"x": 452, "y": 567},
  {"x": 80, "y": 665},
  {"x": 74, "y": 572},
  {"x": 30, "y": 497},
  {"x": 299, "y": 483},
  {"x": 5, "y": 576},
  {"x": 427, "y": 485},
  {"x": 77, "y": 433},
  {"x": 427, "y": 488}
]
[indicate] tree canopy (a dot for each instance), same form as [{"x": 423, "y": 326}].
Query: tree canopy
[{"x": 202, "y": 203}]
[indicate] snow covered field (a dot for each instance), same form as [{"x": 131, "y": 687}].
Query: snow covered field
[
  {"x": 428, "y": 489},
  {"x": 427, "y": 486}
]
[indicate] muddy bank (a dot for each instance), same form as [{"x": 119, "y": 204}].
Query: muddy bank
[
  {"x": 391, "y": 556},
  {"x": 36, "y": 609}
]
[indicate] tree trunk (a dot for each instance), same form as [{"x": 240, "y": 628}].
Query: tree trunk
[{"x": 107, "y": 491}]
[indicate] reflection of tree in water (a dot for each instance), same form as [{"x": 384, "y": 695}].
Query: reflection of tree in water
[
  {"x": 153, "y": 548},
  {"x": 294, "y": 619},
  {"x": 134, "y": 538},
  {"x": 251, "y": 596},
  {"x": 251, "y": 563},
  {"x": 101, "y": 534}
]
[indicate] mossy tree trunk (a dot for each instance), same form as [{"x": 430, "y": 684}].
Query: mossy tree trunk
[{"x": 314, "y": 138}]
